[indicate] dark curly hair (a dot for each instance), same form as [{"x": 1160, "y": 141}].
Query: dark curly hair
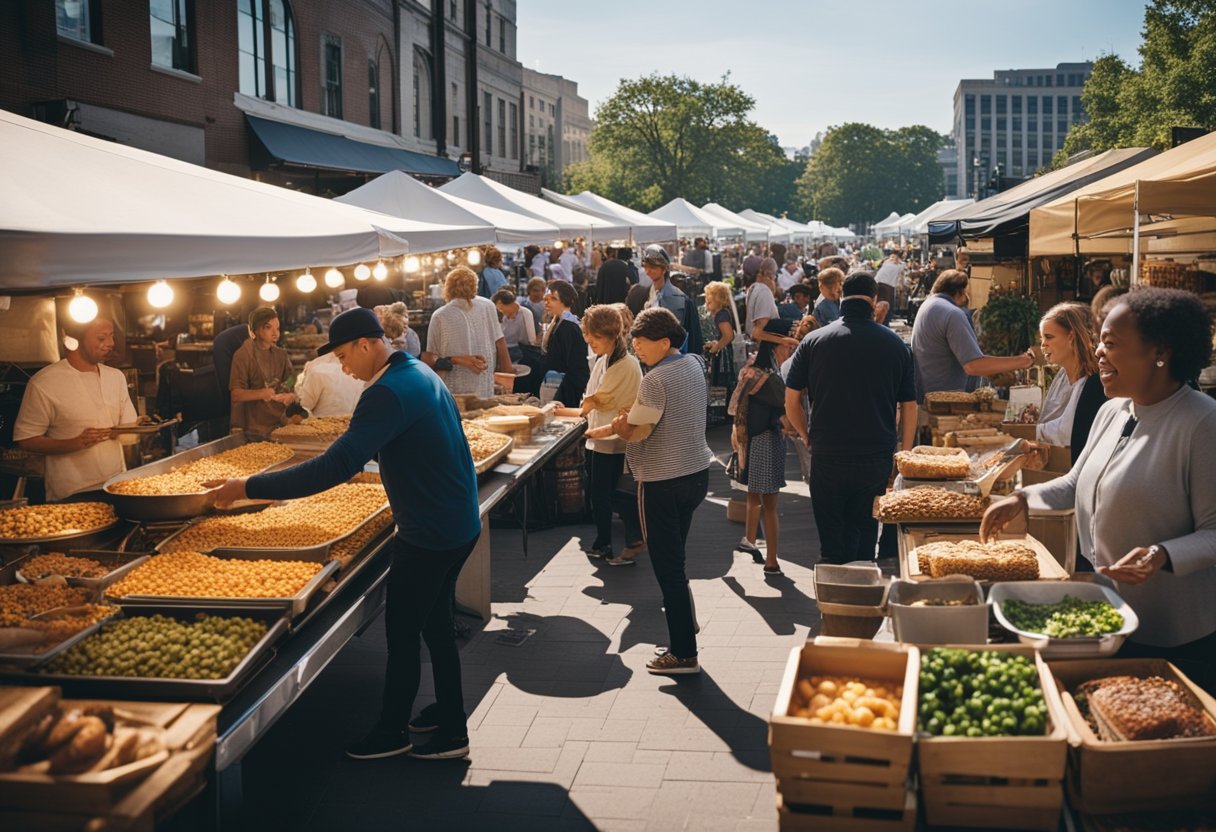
[
  {"x": 1177, "y": 321},
  {"x": 657, "y": 323}
]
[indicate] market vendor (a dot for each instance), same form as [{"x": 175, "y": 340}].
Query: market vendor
[
  {"x": 407, "y": 419},
  {"x": 68, "y": 410},
  {"x": 259, "y": 369},
  {"x": 944, "y": 346},
  {"x": 1144, "y": 488}
]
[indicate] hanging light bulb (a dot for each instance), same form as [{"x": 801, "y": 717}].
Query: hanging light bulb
[
  {"x": 451, "y": 255},
  {"x": 362, "y": 271},
  {"x": 306, "y": 283},
  {"x": 228, "y": 292},
  {"x": 82, "y": 308},
  {"x": 334, "y": 278},
  {"x": 380, "y": 272},
  {"x": 412, "y": 265},
  {"x": 160, "y": 295},
  {"x": 474, "y": 256},
  {"x": 559, "y": 244},
  {"x": 269, "y": 291}
]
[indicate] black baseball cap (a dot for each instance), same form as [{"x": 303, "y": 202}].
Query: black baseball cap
[{"x": 351, "y": 325}]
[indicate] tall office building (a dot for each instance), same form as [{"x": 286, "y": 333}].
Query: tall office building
[{"x": 1013, "y": 123}]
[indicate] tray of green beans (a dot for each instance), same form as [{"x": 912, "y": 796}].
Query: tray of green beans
[{"x": 1066, "y": 618}]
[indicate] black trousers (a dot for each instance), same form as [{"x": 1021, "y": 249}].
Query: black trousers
[
  {"x": 420, "y": 587},
  {"x": 667, "y": 507},
  {"x": 843, "y": 489},
  {"x": 603, "y": 473}
]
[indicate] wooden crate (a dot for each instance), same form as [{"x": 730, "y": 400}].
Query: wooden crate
[
  {"x": 844, "y": 797},
  {"x": 1115, "y": 777},
  {"x": 998, "y": 782},
  {"x": 843, "y": 753},
  {"x": 793, "y": 817},
  {"x": 1050, "y": 568}
]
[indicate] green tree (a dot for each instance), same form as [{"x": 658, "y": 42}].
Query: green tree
[
  {"x": 1175, "y": 85},
  {"x": 660, "y": 137},
  {"x": 860, "y": 173}
]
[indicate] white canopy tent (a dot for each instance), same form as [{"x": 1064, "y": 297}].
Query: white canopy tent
[
  {"x": 843, "y": 233},
  {"x": 752, "y": 230},
  {"x": 920, "y": 223},
  {"x": 777, "y": 233},
  {"x": 904, "y": 225},
  {"x": 80, "y": 210},
  {"x": 400, "y": 195},
  {"x": 881, "y": 226},
  {"x": 569, "y": 222},
  {"x": 643, "y": 227},
  {"x": 797, "y": 231},
  {"x": 691, "y": 221}
]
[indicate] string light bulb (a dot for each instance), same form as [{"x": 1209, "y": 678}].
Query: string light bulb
[
  {"x": 306, "y": 283},
  {"x": 269, "y": 291},
  {"x": 474, "y": 256},
  {"x": 160, "y": 294},
  {"x": 380, "y": 272},
  {"x": 228, "y": 292},
  {"x": 412, "y": 265},
  {"x": 362, "y": 271},
  {"x": 451, "y": 255},
  {"x": 559, "y": 244},
  {"x": 334, "y": 278},
  {"x": 82, "y": 308}
]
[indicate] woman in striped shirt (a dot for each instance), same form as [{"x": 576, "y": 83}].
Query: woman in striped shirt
[{"x": 665, "y": 435}]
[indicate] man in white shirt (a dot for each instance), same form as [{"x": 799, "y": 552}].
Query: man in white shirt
[
  {"x": 323, "y": 389},
  {"x": 68, "y": 410},
  {"x": 889, "y": 276},
  {"x": 569, "y": 261},
  {"x": 789, "y": 276}
]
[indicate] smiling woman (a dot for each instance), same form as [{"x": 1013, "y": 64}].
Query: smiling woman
[{"x": 1075, "y": 394}]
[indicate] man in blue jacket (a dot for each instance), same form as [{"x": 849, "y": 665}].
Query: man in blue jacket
[{"x": 408, "y": 420}]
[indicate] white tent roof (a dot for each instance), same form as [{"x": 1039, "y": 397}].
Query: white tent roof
[
  {"x": 645, "y": 228},
  {"x": 920, "y": 223},
  {"x": 777, "y": 233},
  {"x": 752, "y": 230},
  {"x": 569, "y": 222},
  {"x": 904, "y": 224},
  {"x": 843, "y": 233},
  {"x": 796, "y": 230},
  {"x": 400, "y": 195},
  {"x": 891, "y": 219},
  {"x": 82, "y": 210},
  {"x": 691, "y": 221}
]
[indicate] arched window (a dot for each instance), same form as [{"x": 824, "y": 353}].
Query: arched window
[
  {"x": 422, "y": 96},
  {"x": 266, "y": 40}
]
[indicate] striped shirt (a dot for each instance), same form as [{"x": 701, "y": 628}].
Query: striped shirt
[{"x": 673, "y": 397}]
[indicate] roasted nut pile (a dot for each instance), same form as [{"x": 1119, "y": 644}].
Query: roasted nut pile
[
  {"x": 345, "y": 550},
  {"x": 55, "y": 518},
  {"x": 40, "y": 566},
  {"x": 927, "y": 503},
  {"x": 925, "y": 462},
  {"x": 483, "y": 443},
  {"x": 996, "y": 560},
  {"x": 20, "y": 601},
  {"x": 950, "y": 397},
  {"x": 309, "y": 521},
  {"x": 237, "y": 462},
  {"x": 834, "y": 700},
  {"x": 194, "y": 575},
  {"x": 313, "y": 429},
  {"x": 163, "y": 648}
]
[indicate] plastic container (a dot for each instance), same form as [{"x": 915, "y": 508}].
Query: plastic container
[
  {"x": 965, "y": 624},
  {"x": 861, "y": 583},
  {"x": 1039, "y": 592}
]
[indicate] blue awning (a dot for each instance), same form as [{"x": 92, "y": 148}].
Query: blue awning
[{"x": 294, "y": 145}]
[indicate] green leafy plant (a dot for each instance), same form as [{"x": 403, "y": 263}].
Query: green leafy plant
[{"x": 1009, "y": 323}]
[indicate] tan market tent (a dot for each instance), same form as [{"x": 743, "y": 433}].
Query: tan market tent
[
  {"x": 79, "y": 210},
  {"x": 1169, "y": 199}
]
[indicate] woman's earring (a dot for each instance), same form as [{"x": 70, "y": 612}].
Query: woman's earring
[{"x": 1160, "y": 363}]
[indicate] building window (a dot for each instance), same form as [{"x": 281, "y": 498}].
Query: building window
[
  {"x": 531, "y": 103},
  {"x": 373, "y": 92},
  {"x": 502, "y": 34},
  {"x": 455, "y": 117},
  {"x": 422, "y": 97},
  {"x": 514, "y": 131},
  {"x": 1046, "y": 110},
  {"x": 452, "y": 9},
  {"x": 266, "y": 43},
  {"x": 1017, "y": 105},
  {"x": 502, "y": 128},
  {"x": 78, "y": 19},
  {"x": 531, "y": 122},
  {"x": 531, "y": 149},
  {"x": 171, "y": 23},
  {"x": 1000, "y": 124},
  {"x": 1032, "y": 105},
  {"x": 1001, "y": 104},
  {"x": 489, "y": 22},
  {"x": 985, "y": 105},
  {"x": 551, "y": 110},
  {"x": 487, "y": 114},
  {"x": 331, "y": 76}
]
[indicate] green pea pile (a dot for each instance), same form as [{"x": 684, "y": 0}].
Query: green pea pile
[
  {"x": 160, "y": 647},
  {"x": 969, "y": 693},
  {"x": 1069, "y": 618}
]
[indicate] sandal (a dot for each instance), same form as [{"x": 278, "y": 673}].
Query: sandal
[{"x": 775, "y": 569}]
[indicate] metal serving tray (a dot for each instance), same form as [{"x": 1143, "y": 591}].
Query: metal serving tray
[
  {"x": 120, "y": 563},
  {"x": 294, "y": 605},
  {"x": 23, "y": 657},
  {"x": 318, "y": 552},
  {"x": 496, "y": 457},
  {"x": 62, "y": 537},
  {"x": 142, "y": 687},
  {"x": 173, "y": 506}
]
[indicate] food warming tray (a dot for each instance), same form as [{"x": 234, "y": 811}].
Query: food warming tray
[
  {"x": 77, "y": 535},
  {"x": 142, "y": 687},
  {"x": 173, "y": 506},
  {"x": 23, "y": 657},
  {"x": 119, "y": 563}
]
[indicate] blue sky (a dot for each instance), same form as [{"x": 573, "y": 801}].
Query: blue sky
[{"x": 812, "y": 64}]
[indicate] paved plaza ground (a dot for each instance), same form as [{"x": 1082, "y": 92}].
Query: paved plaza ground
[{"x": 568, "y": 730}]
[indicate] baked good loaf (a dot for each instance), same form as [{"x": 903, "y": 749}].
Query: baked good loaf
[
  {"x": 998, "y": 560},
  {"x": 925, "y": 462},
  {"x": 926, "y": 503},
  {"x": 1128, "y": 708}
]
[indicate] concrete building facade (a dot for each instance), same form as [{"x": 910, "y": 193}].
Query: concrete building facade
[{"x": 558, "y": 126}]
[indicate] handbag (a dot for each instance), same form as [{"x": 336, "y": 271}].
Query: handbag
[{"x": 732, "y": 469}]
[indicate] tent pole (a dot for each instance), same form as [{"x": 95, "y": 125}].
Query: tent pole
[{"x": 1135, "y": 275}]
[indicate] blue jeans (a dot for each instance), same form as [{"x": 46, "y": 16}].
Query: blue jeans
[
  {"x": 667, "y": 507},
  {"x": 843, "y": 489}
]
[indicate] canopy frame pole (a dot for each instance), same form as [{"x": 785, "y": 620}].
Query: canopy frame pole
[{"x": 1135, "y": 275}]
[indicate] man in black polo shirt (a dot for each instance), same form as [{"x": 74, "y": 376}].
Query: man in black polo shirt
[{"x": 857, "y": 374}]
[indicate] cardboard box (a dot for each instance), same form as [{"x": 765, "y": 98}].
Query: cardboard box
[
  {"x": 1111, "y": 777},
  {"x": 998, "y": 782},
  {"x": 736, "y": 510},
  {"x": 792, "y": 817},
  {"x": 845, "y": 753}
]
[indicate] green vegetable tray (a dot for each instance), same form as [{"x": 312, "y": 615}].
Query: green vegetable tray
[{"x": 1042, "y": 592}]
